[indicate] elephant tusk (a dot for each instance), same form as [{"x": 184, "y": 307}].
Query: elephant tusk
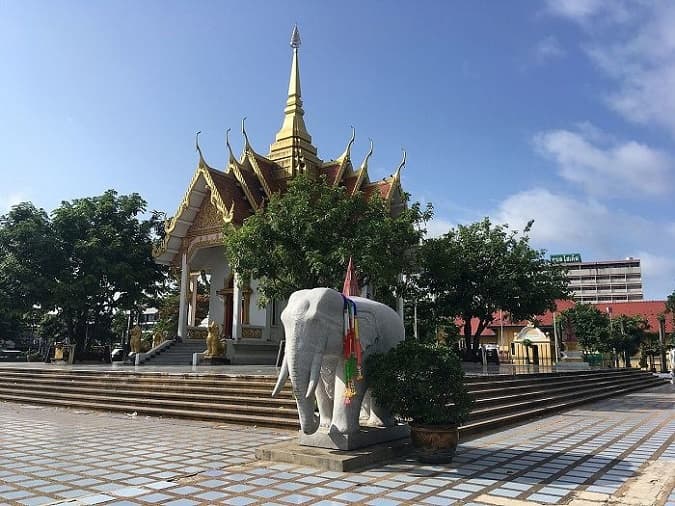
[
  {"x": 314, "y": 374},
  {"x": 283, "y": 377}
]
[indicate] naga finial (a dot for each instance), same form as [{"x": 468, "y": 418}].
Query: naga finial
[
  {"x": 229, "y": 147},
  {"x": 348, "y": 150},
  {"x": 199, "y": 150},
  {"x": 247, "y": 144},
  {"x": 295, "y": 37},
  {"x": 401, "y": 165},
  {"x": 364, "y": 165}
]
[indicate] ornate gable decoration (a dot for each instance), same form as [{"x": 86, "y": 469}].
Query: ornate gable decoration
[{"x": 207, "y": 221}]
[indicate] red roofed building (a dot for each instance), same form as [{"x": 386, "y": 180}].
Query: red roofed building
[
  {"x": 219, "y": 198},
  {"x": 502, "y": 331}
]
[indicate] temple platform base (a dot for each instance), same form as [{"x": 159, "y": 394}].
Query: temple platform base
[{"x": 572, "y": 360}]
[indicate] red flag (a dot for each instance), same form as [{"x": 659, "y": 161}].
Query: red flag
[{"x": 351, "y": 285}]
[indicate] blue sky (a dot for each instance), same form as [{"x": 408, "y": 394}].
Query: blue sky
[{"x": 560, "y": 111}]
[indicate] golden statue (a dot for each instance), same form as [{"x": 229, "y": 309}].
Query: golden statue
[
  {"x": 158, "y": 338},
  {"x": 135, "y": 340},
  {"x": 214, "y": 347},
  {"x": 441, "y": 336},
  {"x": 58, "y": 351}
]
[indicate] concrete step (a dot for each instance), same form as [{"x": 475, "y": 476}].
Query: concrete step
[
  {"x": 211, "y": 390},
  {"x": 179, "y": 353},
  {"x": 184, "y": 405},
  {"x": 216, "y": 399},
  {"x": 139, "y": 408}
]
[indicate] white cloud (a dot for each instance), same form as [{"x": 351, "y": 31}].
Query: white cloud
[
  {"x": 658, "y": 271},
  {"x": 548, "y": 49},
  {"x": 438, "y": 226},
  {"x": 567, "y": 224},
  {"x": 10, "y": 200},
  {"x": 559, "y": 220},
  {"x": 585, "y": 12},
  {"x": 577, "y": 10},
  {"x": 618, "y": 169},
  {"x": 634, "y": 44}
]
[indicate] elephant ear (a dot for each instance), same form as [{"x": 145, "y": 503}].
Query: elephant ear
[{"x": 368, "y": 335}]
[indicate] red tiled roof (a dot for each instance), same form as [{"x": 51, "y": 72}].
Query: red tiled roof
[
  {"x": 230, "y": 192},
  {"x": 650, "y": 309},
  {"x": 350, "y": 182},
  {"x": 331, "y": 171},
  {"x": 267, "y": 169},
  {"x": 383, "y": 187},
  {"x": 253, "y": 184}
]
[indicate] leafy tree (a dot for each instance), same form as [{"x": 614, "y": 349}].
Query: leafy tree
[
  {"x": 169, "y": 307},
  {"x": 589, "y": 325},
  {"x": 304, "y": 238},
  {"x": 473, "y": 271},
  {"x": 28, "y": 266},
  {"x": 90, "y": 260},
  {"x": 626, "y": 334}
]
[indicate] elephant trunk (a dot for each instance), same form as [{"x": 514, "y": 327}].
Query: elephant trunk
[
  {"x": 304, "y": 366},
  {"x": 282, "y": 379},
  {"x": 300, "y": 381}
]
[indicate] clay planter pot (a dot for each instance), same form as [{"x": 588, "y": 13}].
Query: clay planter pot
[{"x": 434, "y": 444}]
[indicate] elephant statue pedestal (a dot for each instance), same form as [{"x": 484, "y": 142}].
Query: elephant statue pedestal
[{"x": 366, "y": 436}]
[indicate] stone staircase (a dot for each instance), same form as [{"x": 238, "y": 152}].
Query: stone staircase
[
  {"x": 178, "y": 353},
  {"x": 500, "y": 400},
  {"x": 505, "y": 400},
  {"x": 215, "y": 397}
]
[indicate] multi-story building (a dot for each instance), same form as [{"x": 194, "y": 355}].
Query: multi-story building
[{"x": 605, "y": 281}]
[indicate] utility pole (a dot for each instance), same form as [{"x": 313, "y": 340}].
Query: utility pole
[{"x": 555, "y": 338}]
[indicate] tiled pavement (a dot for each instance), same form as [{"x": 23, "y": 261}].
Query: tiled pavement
[{"x": 51, "y": 455}]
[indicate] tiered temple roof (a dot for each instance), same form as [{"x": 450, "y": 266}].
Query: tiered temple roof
[{"x": 247, "y": 182}]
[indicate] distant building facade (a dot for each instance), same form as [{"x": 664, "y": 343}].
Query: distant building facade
[{"x": 604, "y": 281}]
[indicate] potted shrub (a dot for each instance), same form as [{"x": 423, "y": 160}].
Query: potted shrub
[{"x": 423, "y": 384}]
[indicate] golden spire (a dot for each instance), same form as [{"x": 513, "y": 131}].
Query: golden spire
[{"x": 293, "y": 141}]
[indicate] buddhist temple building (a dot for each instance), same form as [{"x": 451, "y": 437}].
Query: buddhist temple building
[{"x": 220, "y": 199}]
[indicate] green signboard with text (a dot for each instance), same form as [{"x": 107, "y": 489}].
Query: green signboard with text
[{"x": 566, "y": 258}]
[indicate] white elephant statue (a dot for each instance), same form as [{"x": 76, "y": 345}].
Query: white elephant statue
[{"x": 314, "y": 330}]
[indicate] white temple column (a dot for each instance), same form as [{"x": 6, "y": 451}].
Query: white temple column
[
  {"x": 182, "y": 305},
  {"x": 236, "y": 308},
  {"x": 192, "y": 312}
]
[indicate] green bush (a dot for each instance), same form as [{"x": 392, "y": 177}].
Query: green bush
[{"x": 423, "y": 383}]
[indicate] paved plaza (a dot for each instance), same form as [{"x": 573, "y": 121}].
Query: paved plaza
[{"x": 596, "y": 454}]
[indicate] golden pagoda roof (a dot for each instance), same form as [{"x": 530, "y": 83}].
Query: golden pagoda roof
[{"x": 247, "y": 182}]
